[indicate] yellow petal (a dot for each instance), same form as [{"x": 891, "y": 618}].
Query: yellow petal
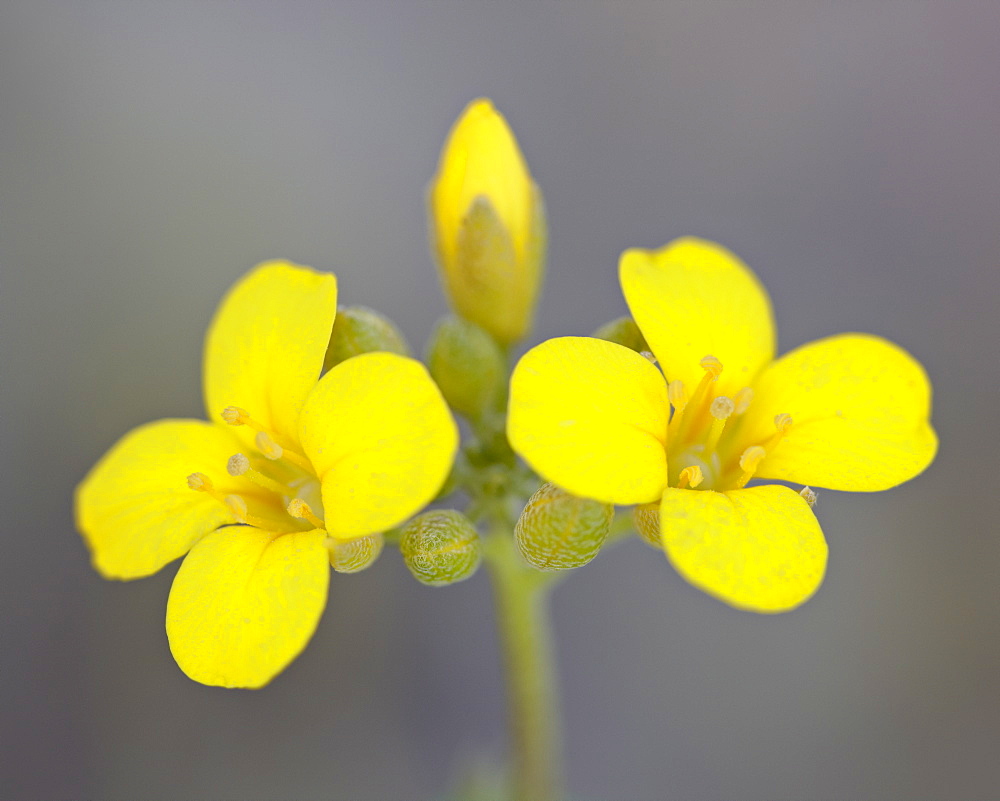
[
  {"x": 245, "y": 603},
  {"x": 381, "y": 439},
  {"x": 759, "y": 549},
  {"x": 265, "y": 347},
  {"x": 488, "y": 226},
  {"x": 591, "y": 417},
  {"x": 481, "y": 158},
  {"x": 693, "y": 298},
  {"x": 135, "y": 509},
  {"x": 860, "y": 408}
]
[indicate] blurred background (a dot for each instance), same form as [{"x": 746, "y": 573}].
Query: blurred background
[{"x": 150, "y": 153}]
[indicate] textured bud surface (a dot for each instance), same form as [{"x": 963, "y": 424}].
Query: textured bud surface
[
  {"x": 467, "y": 364},
  {"x": 623, "y": 331},
  {"x": 352, "y": 556},
  {"x": 357, "y": 330},
  {"x": 646, "y": 518},
  {"x": 558, "y": 531},
  {"x": 440, "y": 547}
]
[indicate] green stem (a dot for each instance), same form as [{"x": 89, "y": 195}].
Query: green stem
[{"x": 521, "y": 596}]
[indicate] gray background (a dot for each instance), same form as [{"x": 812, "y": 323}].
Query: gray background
[{"x": 150, "y": 153}]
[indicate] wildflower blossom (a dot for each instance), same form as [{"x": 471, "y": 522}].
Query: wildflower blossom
[
  {"x": 849, "y": 412},
  {"x": 292, "y": 467}
]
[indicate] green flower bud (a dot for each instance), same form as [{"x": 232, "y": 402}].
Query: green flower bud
[
  {"x": 623, "y": 331},
  {"x": 440, "y": 547},
  {"x": 557, "y": 531},
  {"x": 352, "y": 556},
  {"x": 646, "y": 519},
  {"x": 357, "y": 330},
  {"x": 467, "y": 364}
]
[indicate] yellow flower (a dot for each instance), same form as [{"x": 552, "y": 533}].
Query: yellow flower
[
  {"x": 488, "y": 224},
  {"x": 850, "y": 412},
  {"x": 303, "y": 462}
]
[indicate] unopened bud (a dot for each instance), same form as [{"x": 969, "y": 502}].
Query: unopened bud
[
  {"x": 558, "y": 531},
  {"x": 357, "y": 330},
  {"x": 623, "y": 331},
  {"x": 467, "y": 364},
  {"x": 440, "y": 547},
  {"x": 646, "y": 519},
  {"x": 352, "y": 556},
  {"x": 488, "y": 228}
]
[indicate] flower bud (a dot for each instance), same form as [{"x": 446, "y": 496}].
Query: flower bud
[
  {"x": 646, "y": 519},
  {"x": 467, "y": 365},
  {"x": 352, "y": 556},
  {"x": 440, "y": 547},
  {"x": 557, "y": 531},
  {"x": 488, "y": 229},
  {"x": 623, "y": 331},
  {"x": 357, "y": 330}
]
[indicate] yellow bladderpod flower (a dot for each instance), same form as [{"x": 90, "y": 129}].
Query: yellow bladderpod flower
[
  {"x": 850, "y": 412},
  {"x": 309, "y": 466},
  {"x": 488, "y": 227}
]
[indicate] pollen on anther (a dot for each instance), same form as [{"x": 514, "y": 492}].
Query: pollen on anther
[
  {"x": 712, "y": 365},
  {"x": 690, "y": 477},
  {"x": 722, "y": 408},
  {"x": 742, "y": 399},
  {"x": 783, "y": 422},
  {"x": 199, "y": 482},
  {"x": 752, "y": 457},
  {"x": 267, "y": 446},
  {"x": 676, "y": 394},
  {"x": 238, "y": 464},
  {"x": 234, "y": 415},
  {"x": 238, "y": 507},
  {"x": 809, "y": 495}
]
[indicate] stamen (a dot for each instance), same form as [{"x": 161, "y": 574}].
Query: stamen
[
  {"x": 721, "y": 410},
  {"x": 647, "y": 354},
  {"x": 782, "y": 422},
  {"x": 809, "y": 495},
  {"x": 239, "y": 465},
  {"x": 676, "y": 395},
  {"x": 298, "y": 508},
  {"x": 273, "y": 451},
  {"x": 690, "y": 477},
  {"x": 238, "y": 507},
  {"x": 749, "y": 462},
  {"x": 199, "y": 482},
  {"x": 236, "y": 416},
  {"x": 742, "y": 400},
  {"x": 712, "y": 368}
]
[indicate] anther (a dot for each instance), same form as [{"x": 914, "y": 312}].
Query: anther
[
  {"x": 267, "y": 446},
  {"x": 782, "y": 422},
  {"x": 238, "y": 507},
  {"x": 721, "y": 410},
  {"x": 238, "y": 464},
  {"x": 742, "y": 400},
  {"x": 749, "y": 462},
  {"x": 235, "y": 416},
  {"x": 809, "y": 495},
  {"x": 676, "y": 394},
  {"x": 199, "y": 482},
  {"x": 647, "y": 354},
  {"x": 712, "y": 366},
  {"x": 690, "y": 477},
  {"x": 301, "y": 510}
]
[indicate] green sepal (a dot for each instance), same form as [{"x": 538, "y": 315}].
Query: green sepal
[
  {"x": 559, "y": 531},
  {"x": 357, "y": 330}
]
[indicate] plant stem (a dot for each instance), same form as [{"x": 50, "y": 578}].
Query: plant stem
[{"x": 521, "y": 597}]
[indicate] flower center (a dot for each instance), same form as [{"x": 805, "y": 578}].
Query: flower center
[
  {"x": 704, "y": 446},
  {"x": 282, "y": 491}
]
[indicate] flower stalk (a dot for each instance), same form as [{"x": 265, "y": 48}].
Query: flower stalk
[{"x": 522, "y": 608}]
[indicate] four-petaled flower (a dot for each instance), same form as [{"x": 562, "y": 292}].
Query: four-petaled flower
[
  {"x": 850, "y": 412},
  {"x": 297, "y": 473}
]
